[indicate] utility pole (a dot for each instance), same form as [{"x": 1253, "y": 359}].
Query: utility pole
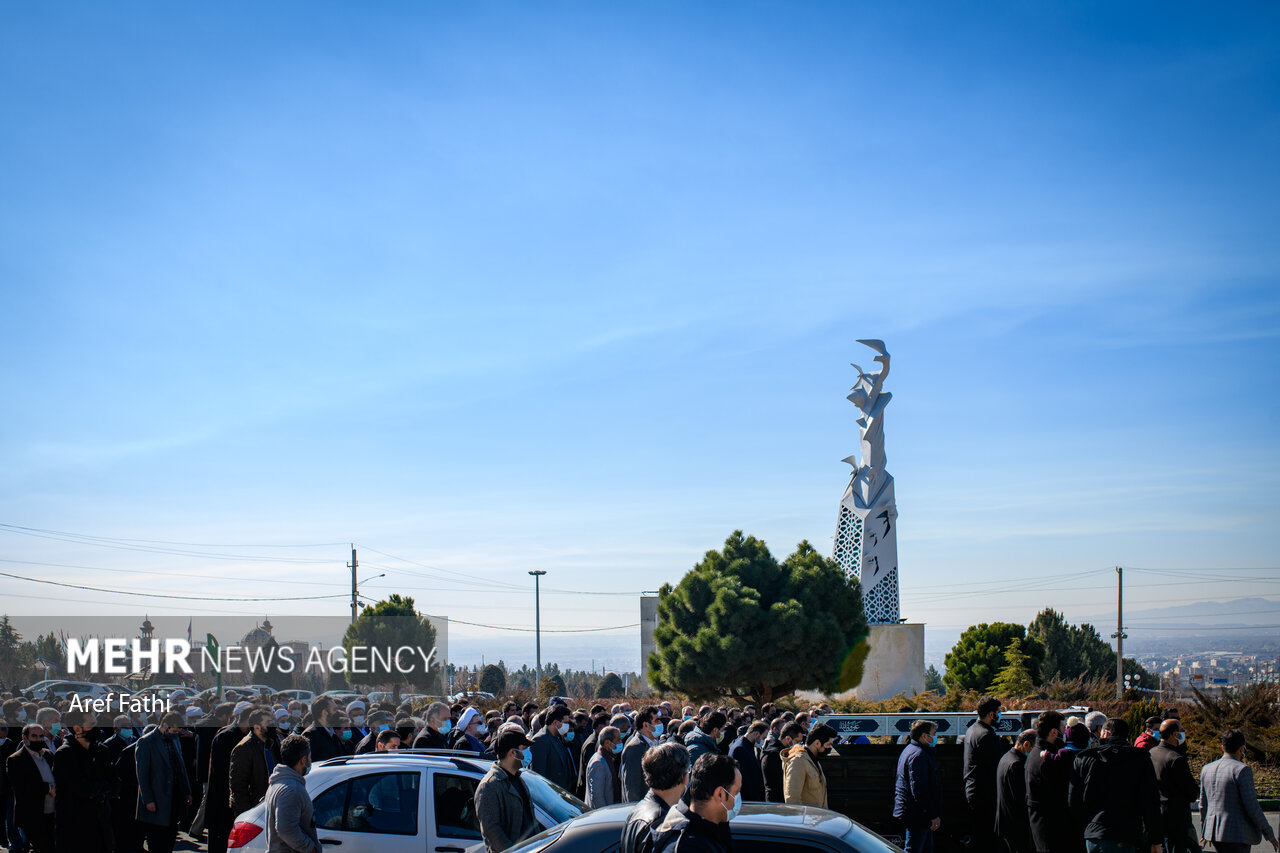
[
  {"x": 355, "y": 600},
  {"x": 1119, "y": 635},
  {"x": 537, "y": 616}
]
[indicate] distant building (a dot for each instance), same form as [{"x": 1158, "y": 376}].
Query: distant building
[{"x": 648, "y": 623}]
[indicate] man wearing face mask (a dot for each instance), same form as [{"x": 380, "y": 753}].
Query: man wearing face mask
[
  {"x": 600, "y": 790},
  {"x": 744, "y": 750},
  {"x": 252, "y": 761},
  {"x": 983, "y": 749},
  {"x": 291, "y": 826},
  {"x": 649, "y": 728},
  {"x": 120, "y": 738},
  {"x": 217, "y": 815},
  {"x": 324, "y": 741},
  {"x": 379, "y": 722},
  {"x": 503, "y": 805},
  {"x": 439, "y": 726},
  {"x": 470, "y": 728},
  {"x": 164, "y": 792},
  {"x": 51, "y": 721},
  {"x": 804, "y": 782},
  {"x": 552, "y": 757},
  {"x": 83, "y": 778},
  {"x": 773, "y": 756},
  {"x": 30, "y": 777},
  {"x": 917, "y": 794},
  {"x": 666, "y": 772},
  {"x": 715, "y": 798},
  {"x": 1178, "y": 788},
  {"x": 1012, "y": 831},
  {"x": 1052, "y": 828}
]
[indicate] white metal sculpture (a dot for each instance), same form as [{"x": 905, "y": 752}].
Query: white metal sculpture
[{"x": 867, "y": 529}]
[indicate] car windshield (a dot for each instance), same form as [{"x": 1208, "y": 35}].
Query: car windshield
[{"x": 553, "y": 799}]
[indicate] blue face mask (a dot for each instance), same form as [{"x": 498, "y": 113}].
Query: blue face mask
[
  {"x": 737, "y": 807},
  {"x": 999, "y": 717},
  {"x": 382, "y": 727},
  {"x": 658, "y": 730},
  {"x": 569, "y": 736},
  {"x": 617, "y": 747},
  {"x": 1155, "y": 736},
  {"x": 55, "y": 729},
  {"x": 126, "y": 733},
  {"x": 526, "y": 756},
  {"x": 446, "y": 727},
  {"x": 346, "y": 734}
]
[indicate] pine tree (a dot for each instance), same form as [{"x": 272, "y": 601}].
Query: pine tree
[{"x": 1014, "y": 681}]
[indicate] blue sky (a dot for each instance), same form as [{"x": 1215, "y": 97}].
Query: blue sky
[{"x": 576, "y": 287}]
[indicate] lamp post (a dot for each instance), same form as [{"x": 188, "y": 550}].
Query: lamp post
[{"x": 537, "y": 617}]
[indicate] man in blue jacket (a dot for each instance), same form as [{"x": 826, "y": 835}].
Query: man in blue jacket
[{"x": 917, "y": 795}]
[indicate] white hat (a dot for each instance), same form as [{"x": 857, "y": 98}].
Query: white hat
[
  {"x": 193, "y": 711},
  {"x": 466, "y": 718},
  {"x": 357, "y": 703},
  {"x": 281, "y": 713},
  {"x": 240, "y": 708}
]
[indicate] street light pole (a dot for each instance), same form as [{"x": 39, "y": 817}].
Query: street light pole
[{"x": 537, "y": 616}]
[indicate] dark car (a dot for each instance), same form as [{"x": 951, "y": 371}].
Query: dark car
[{"x": 761, "y": 828}]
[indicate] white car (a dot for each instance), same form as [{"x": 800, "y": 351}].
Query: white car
[
  {"x": 396, "y": 802},
  {"x": 83, "y": 689}
]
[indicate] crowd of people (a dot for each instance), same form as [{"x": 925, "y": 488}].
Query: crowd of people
[
  {"x": 1074, "y": 784},
  {"x": 75, "y": 784}
]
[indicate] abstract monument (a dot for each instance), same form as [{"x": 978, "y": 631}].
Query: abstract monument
[
  {"x": 866, "y": 546},
  {"x": 867, "y": 530}
]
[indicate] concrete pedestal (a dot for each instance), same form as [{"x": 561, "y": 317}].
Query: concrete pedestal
[{"x": 894, "y": 664}]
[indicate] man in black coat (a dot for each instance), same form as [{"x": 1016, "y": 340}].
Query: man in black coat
[
  {"x": 252, "y": 761},
  {"x": 125, "y": 828},
  {"x": 217, "y": 811},
  {"x": 715, "y": 794},
  {"x": 743, "y": 751},
  {"x": 121, "y": 737},
  {"x": 1013, "y": 832},
  {"x": 1048, "y": 773},
  {"x": 772, "y": 763},
  {"x": 325, "y": 743},
  {"x": 84, "y": 780},
  {"x": 666, "y": 772},
  {"x": 1178, "y": 788},
  {"x": 1113, "y": 791},
  {"x": 552, "y": 757},
  {"x": 439, "y": 727},
  {"x": 29, "y": 773},
  {"x": 982, "y": 751},
  {"x": 379, "y": 721}
]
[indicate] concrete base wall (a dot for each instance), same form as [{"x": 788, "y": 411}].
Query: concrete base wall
[{"x": 894, "y": 664}]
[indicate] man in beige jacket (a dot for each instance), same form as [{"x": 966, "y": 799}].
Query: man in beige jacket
[{"x": 803, "y": 782}]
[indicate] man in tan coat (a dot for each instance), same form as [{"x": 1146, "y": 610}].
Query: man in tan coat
[{"x": 803, "y": 782}]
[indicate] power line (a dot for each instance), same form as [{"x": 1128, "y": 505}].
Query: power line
[
  {"x": 177, "y": 575},
  {"x": 172, "y": 552},
  {"x": 18, "y": 527},
  {"x": 164, "y": 595}
]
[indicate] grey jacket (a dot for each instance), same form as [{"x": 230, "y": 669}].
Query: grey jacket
[
  {"x": 633, "y": 786},
  {"x": 1229, "y": 804},
  {"x": 161, "y": 780},
  {"x": 291, "y": 827},
  {"x": 505, "y": 809},
  {"x": 600, "y": 783}
]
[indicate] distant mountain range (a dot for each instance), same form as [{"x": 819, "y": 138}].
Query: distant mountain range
[{"x": 1242, "y": 614}]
